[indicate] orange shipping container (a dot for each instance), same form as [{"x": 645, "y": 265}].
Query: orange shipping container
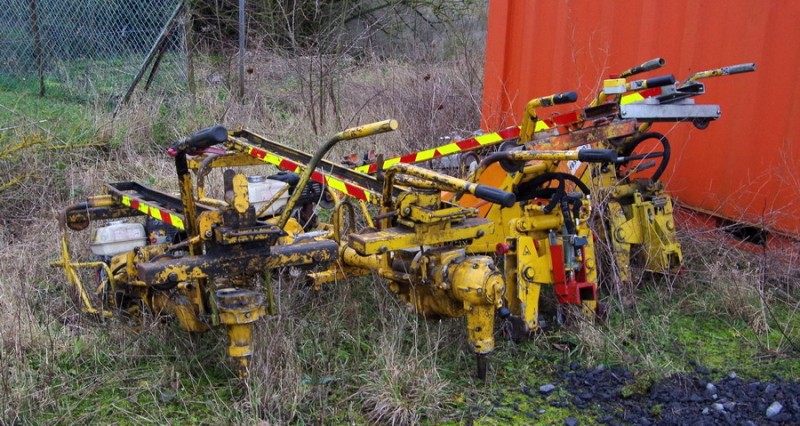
[{"x": 744, "y": 166}]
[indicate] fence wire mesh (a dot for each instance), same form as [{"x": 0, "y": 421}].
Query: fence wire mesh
[{"x": 89, "y": 48}]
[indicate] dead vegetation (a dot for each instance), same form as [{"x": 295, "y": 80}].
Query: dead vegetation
[
  {"x": 350, "y": 354},
  {"x": 320, "y": 348}
]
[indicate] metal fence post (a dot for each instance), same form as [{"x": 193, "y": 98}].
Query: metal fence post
[
  {"x": 37, "y": 46},
  {"x": 188, "y": 32},
  {"x": 241, "y": 49},
  {"x": 85, "y": 49}
]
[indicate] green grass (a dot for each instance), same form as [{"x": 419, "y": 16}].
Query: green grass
[
  {"x": 337, "y": 342},
  {"x": 108, "y": 374},
  {"x": 98, "y": 81},
  {"x": 61, "y": 116},
  {"x": 664, "y": 337},
  {"x": 326, "y": 355}
]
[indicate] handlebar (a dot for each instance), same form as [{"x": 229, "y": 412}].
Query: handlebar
[
  {"x": 738, "y": 69},
  {"x": 530, "y": 117},
  {"x": 560, "y": 98},
  {"x": 664, "y": 80},
  {"x": 205, "y": 138},
  {"x": 729, "y": 70},
  {"x": 448, "y": 183},
  {"x": 555, "y": 99},
  {"x": 650, "y": 65},
  {"x": 597, "y": 155},
  {"x": 366, "y": 130},
  {"x": 594, "y": 155},
  {"x": 495, "y": 195}
]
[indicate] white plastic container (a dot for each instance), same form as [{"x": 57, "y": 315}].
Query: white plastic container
[
  {"x": 117, "y": 237},
  {"x": 260, "y": 190}
]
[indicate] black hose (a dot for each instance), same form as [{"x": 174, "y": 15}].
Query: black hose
[
  {"x": 629, "y": 147},
  {"x": 533, "y": 188}
]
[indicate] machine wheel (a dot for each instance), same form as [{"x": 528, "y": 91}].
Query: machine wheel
[
  {"x": 468, "y": 164},
  {"x": 510, "y": 166},
  {"x": 646, "y": 151},
  {"x": 548, "y": 184},
  {"x": 553, "y": 186},
  {"x": 701, "y": 123}
]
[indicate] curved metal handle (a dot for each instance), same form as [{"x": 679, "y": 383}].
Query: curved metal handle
[
  {"x": 366, "y": 130},
  {"x": 555, "y": 99},
  {"x": 650, "y": 65},
  {"x": 530, "y": 117},
  {"x": 738, "y": 69},
  {"x": 351, "y": 133},
  {"x": 732, "y": 69}
]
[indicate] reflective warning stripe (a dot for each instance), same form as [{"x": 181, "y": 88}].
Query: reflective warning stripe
[
  {"x": 317, "y": 176},
  {"x": 163, "y": 215},
  {"x": 450, "y": 148},
  {"x": 641, "y": 95},
  {"x": 497, "y": 137},
  {"x": 543, "y": 125}
]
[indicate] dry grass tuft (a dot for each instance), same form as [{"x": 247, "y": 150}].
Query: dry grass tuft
[
  {"x": 276, "y": 381},
  {"x": 739, "y": 293},
  {"x": 401, "y": 392},
  {"x": 403, "y": 385},
  {"x": 734, "y": 280}
]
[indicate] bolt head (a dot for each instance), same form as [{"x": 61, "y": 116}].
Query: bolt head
[{"x": 528, "y": 273}]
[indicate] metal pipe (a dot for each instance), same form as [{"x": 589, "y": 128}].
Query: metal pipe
[
  {"x": 448, "y": 183},
  {"x": 352, "y": 133}
]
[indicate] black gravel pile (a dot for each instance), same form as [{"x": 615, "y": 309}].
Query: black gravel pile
[{"x": 679, "y": 400}]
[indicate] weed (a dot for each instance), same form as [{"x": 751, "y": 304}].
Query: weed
[
  {"x": 350, "y": 353},
  {"x": 403, "y": 384},
  {"x": 642, "y": 381}
]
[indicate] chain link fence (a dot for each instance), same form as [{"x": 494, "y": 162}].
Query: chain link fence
[{"x": 92, "y": 49}]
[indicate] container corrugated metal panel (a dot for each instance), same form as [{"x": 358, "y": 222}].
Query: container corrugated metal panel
[{"x": 744, "y": 167}]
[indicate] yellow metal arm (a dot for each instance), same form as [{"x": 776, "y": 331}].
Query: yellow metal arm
[
  {"x": 733, "y": 69},
  {"x": 588, "y": 155},
  {"x": 650, "y": 65},
  {"x": 529, "y": 118},
  {"x": 351, "y": 133},
  {"x": 447, "y": 183}
]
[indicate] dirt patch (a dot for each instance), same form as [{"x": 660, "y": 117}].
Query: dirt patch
[{"x": 616, "y": 396}]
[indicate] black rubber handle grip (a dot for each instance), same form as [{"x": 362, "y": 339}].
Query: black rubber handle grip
[
  {"x": 494, "y": 195},
  {"x": 664, "y": 80},
  {"x": 201, "y": 139},
  {"x": 597, "y": 155},
  {"x": 565, "y": 98},
  {"x": 207, "y": 137},
  {"x": 737, "y": 69}
]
